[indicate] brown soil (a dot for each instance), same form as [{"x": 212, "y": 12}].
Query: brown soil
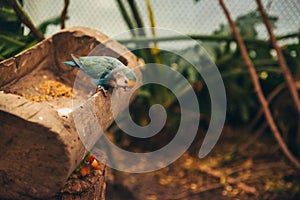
[{"x": 261, "y": 173}]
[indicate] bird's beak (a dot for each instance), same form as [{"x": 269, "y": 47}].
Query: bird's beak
[{"x": 131, "y": 83}]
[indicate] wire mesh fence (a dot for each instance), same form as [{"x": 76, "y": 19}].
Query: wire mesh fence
[{"x": 187, "y": 17}]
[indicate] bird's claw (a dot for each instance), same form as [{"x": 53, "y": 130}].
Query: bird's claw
[{"x": 104, "y": 91}]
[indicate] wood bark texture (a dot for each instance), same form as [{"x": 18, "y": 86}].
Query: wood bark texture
[{"x": 39, "y": 147}]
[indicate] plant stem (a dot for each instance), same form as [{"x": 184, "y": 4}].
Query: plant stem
[
  {"x": 290, "y": 35},
  {"x": 155, "y": 50},
  {"x": 12, "y": 40},
  {"x": 126, "y": 17},
  {"x": 258, "y": 88},
  {"x": 202, "y": 37},
  {"x": 25, "y": 19},
  {"x": 64, "y": 13},
  {"x": 285, "y": 70},
  {"x": 137, "y": 17},
  {"x": 151, "y": 17}
]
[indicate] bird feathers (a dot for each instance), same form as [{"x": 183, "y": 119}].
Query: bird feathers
[{"x": 105, "y": 69}]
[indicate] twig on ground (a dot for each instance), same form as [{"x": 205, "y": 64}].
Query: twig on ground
[
  {"x": 187, "y": 194},
  {"x": 230, "y": 180}
]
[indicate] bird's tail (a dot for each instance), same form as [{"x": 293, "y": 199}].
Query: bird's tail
[
  {"x": 74, "y": 63},
  {"x": 70, "y": 63}
]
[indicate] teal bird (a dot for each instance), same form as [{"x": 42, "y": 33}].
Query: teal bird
[{"x": 105, "y": 71}]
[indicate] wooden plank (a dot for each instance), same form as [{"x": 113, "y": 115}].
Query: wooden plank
[
  {"x": 39, "y": 147},
  {"x": 12, "y": 69}
]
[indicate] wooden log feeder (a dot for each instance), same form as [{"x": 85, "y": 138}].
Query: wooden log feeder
[{"x": 39, "y": 147}]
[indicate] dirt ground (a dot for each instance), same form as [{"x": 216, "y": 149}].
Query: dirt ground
[{"x": 262, "y": 172}]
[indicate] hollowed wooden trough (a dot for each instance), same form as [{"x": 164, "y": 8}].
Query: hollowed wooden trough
[{"x": 39, "y": 146}]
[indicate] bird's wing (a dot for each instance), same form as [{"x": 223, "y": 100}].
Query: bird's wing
[
  {"x": 94, "y": 66},
  {"x": 98, "y": 66}
]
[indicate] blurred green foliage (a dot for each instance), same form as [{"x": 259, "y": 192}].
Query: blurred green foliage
[
  {"x": 242, "y": 103},
  {"x": 11, "y": 31},
  {"x": 241, "y": 97},
  {"x": 12, "y": 38}
]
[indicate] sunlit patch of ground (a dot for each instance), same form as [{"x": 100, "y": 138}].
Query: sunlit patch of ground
[{"x": 262, "y": 173}]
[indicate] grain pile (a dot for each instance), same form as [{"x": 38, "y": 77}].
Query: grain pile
[{"x": 50, "y": 90}]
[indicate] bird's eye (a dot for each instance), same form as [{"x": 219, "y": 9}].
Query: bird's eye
[
  {"x": 126, "y": 81},
  {"x": 87, "y": 162}
]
